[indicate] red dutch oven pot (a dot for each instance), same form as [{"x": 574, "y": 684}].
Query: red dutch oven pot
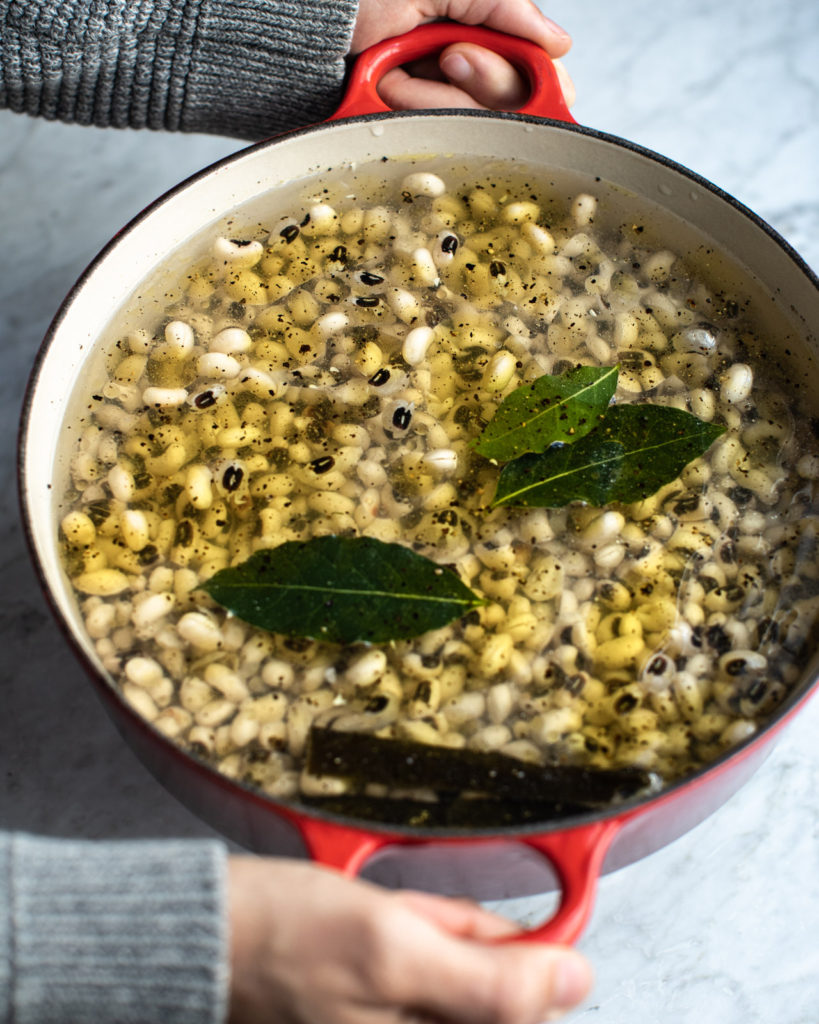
[{"x": 493, "y": 864}]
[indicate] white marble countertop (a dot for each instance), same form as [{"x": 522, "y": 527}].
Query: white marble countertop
[{"x": 720, "y": 927}]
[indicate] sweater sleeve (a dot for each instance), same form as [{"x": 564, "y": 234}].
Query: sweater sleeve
[
  {"x": 244, "y": 68},
  {"x": 132, "y": 932}
]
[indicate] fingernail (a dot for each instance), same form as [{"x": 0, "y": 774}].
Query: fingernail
[
  {"x": 554, "y": 27},
  {"x": 572, "y": 980},
  {"x": 456, "y": 67}
]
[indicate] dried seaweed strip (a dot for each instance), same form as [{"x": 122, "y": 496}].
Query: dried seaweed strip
[{"x": 363, "y": 758}]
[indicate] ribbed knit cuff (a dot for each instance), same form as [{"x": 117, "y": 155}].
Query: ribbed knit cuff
[
  {"x": 133, "y": 932},
  {"x": 259, "y": 67},
  {"x": 245, "y": 68}
]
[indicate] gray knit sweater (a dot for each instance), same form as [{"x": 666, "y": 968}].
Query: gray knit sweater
[
  {"x": 112, "y": 932},
  {"x": 244, "y": 68},
  {"x": 135, "y": 932}
]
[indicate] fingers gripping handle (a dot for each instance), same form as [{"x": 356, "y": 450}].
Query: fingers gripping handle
[
  {"x": 545, "y": 99},
  {"x": 577, "y": 856}
]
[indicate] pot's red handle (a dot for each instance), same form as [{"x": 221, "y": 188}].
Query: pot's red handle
[
  {"x": 545, "y": 99},
  {"x": 576, "y": 854}
]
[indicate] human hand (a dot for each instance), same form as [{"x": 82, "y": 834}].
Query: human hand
[
  {"x": 464, "y": 75},
  {"x": 309, "y": 946}
]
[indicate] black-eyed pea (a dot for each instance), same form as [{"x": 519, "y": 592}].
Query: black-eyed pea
[
  {"x": 423, "y": 183},
  {"x": 78, "y": 529},
  {"x": 565, "y": 657},
  {"x": 521, "y": 621},
  {"x": 244, "y": 729},
  {"x": 638, "y": 722},
  {"x": 282, "y": 785},
  {"x": 168, "y": 462},
  {"x": 664, "y": 705},
  {"x": 201, "y": 739},
  {"x": 688, "y": 695},
  {"x": 765, "y": 485},
  {"x": 499, "y": 371},
  {"x": 500, "y": 588},
  {"x": 620, "y": 652},
  {"x": 490, "y": 738},
  {"x": 225, "y": 681},
  {"x": 519, "y": 669},
  {"x": 104, "y": 582},
  {"x": 725, "y": 598},
  {"x": 148, "y": 673},
  {"x": 130, "y": 369},
  {"x": 330, "y": 503},
  {"x": 300, "y": 716},
  {"x": 740, "y": 663},
  {"x": 523, "y": 750},
  {"x": 520, "y": 212},
  {"x": 140, "y": 342},
  {"x": 351, "y": 222},
  {"x": 598, "y": 741},
  {"x": 215, "y": 713},
  {"x": 736, "y": 383},
  {"x": 194, "y": 694},
  {"x": 583, "y": 638},
  {"x": 709, "y": 725},
  {"x": 231, "y": 766},
  {"x": 554, "y": 725},
  {"x": 185, "y": 581},
  {"x": 468, "y": 706},
  {"x": 545, "y": 581},
  {"x": 534, "y": 526},
  {"x": 368, "y": 359},
  {"x": 451, "y": 681},
  {"x": 387, "y": 530},
  {"x": 618, "y": 624},
  {"x": 173, "y": 722},
  {"x": 425, "y": 700},
  {"x": 236, "y": 253},
  {"x": 737, "y": 732},
  {"x": 588, "y": 688},
  {"x": 500, "y": 700},
  {"x": 615, "y": 595},
  {"x": 576, "y": 564},
  {"x": 419, "y": 731},
  {"x": 150, "y": 610},
  {"x": 609, "y": 557},
  {"x": 657, "y": 615},
  {"x": 366, "y": 669},
  {"x": 123, "y": 639},
  {"x": 322, "y": 785},
  {"x": 140, "y": 700},
  {"x": 99, "y": 619},
  {"x": 200, "y": 631},
  {"x": 448, "y": 211},
  {"x": 573, "y": 746}
]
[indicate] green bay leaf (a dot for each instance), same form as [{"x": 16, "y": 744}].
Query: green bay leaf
[
  {"x": 550, "y": 409},
  {"x": 343, "y": 590},
  {"x": 659, "y": 442},
  {"x": 584, "y": 471},
  {"x": 630, "y": 455}
]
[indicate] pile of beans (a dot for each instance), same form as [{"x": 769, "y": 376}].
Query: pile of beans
[{"x": 326, "y": 376}]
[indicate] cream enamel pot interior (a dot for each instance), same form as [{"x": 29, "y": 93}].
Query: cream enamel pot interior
[{"x": 701, "y": 220}]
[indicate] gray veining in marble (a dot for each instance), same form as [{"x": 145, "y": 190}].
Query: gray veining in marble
[{"x": 722, "y": 926}]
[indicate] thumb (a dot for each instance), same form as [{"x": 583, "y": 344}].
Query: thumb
[{"x": 513, "y": 983}]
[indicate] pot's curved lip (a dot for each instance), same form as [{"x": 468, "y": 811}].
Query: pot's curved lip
[{"x": 292, "y": 810}]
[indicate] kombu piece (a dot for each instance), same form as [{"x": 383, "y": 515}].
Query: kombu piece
[{"x": 473, "y": 787}]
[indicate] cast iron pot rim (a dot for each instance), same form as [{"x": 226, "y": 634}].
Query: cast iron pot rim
[{"x": 290, "y": 810}]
